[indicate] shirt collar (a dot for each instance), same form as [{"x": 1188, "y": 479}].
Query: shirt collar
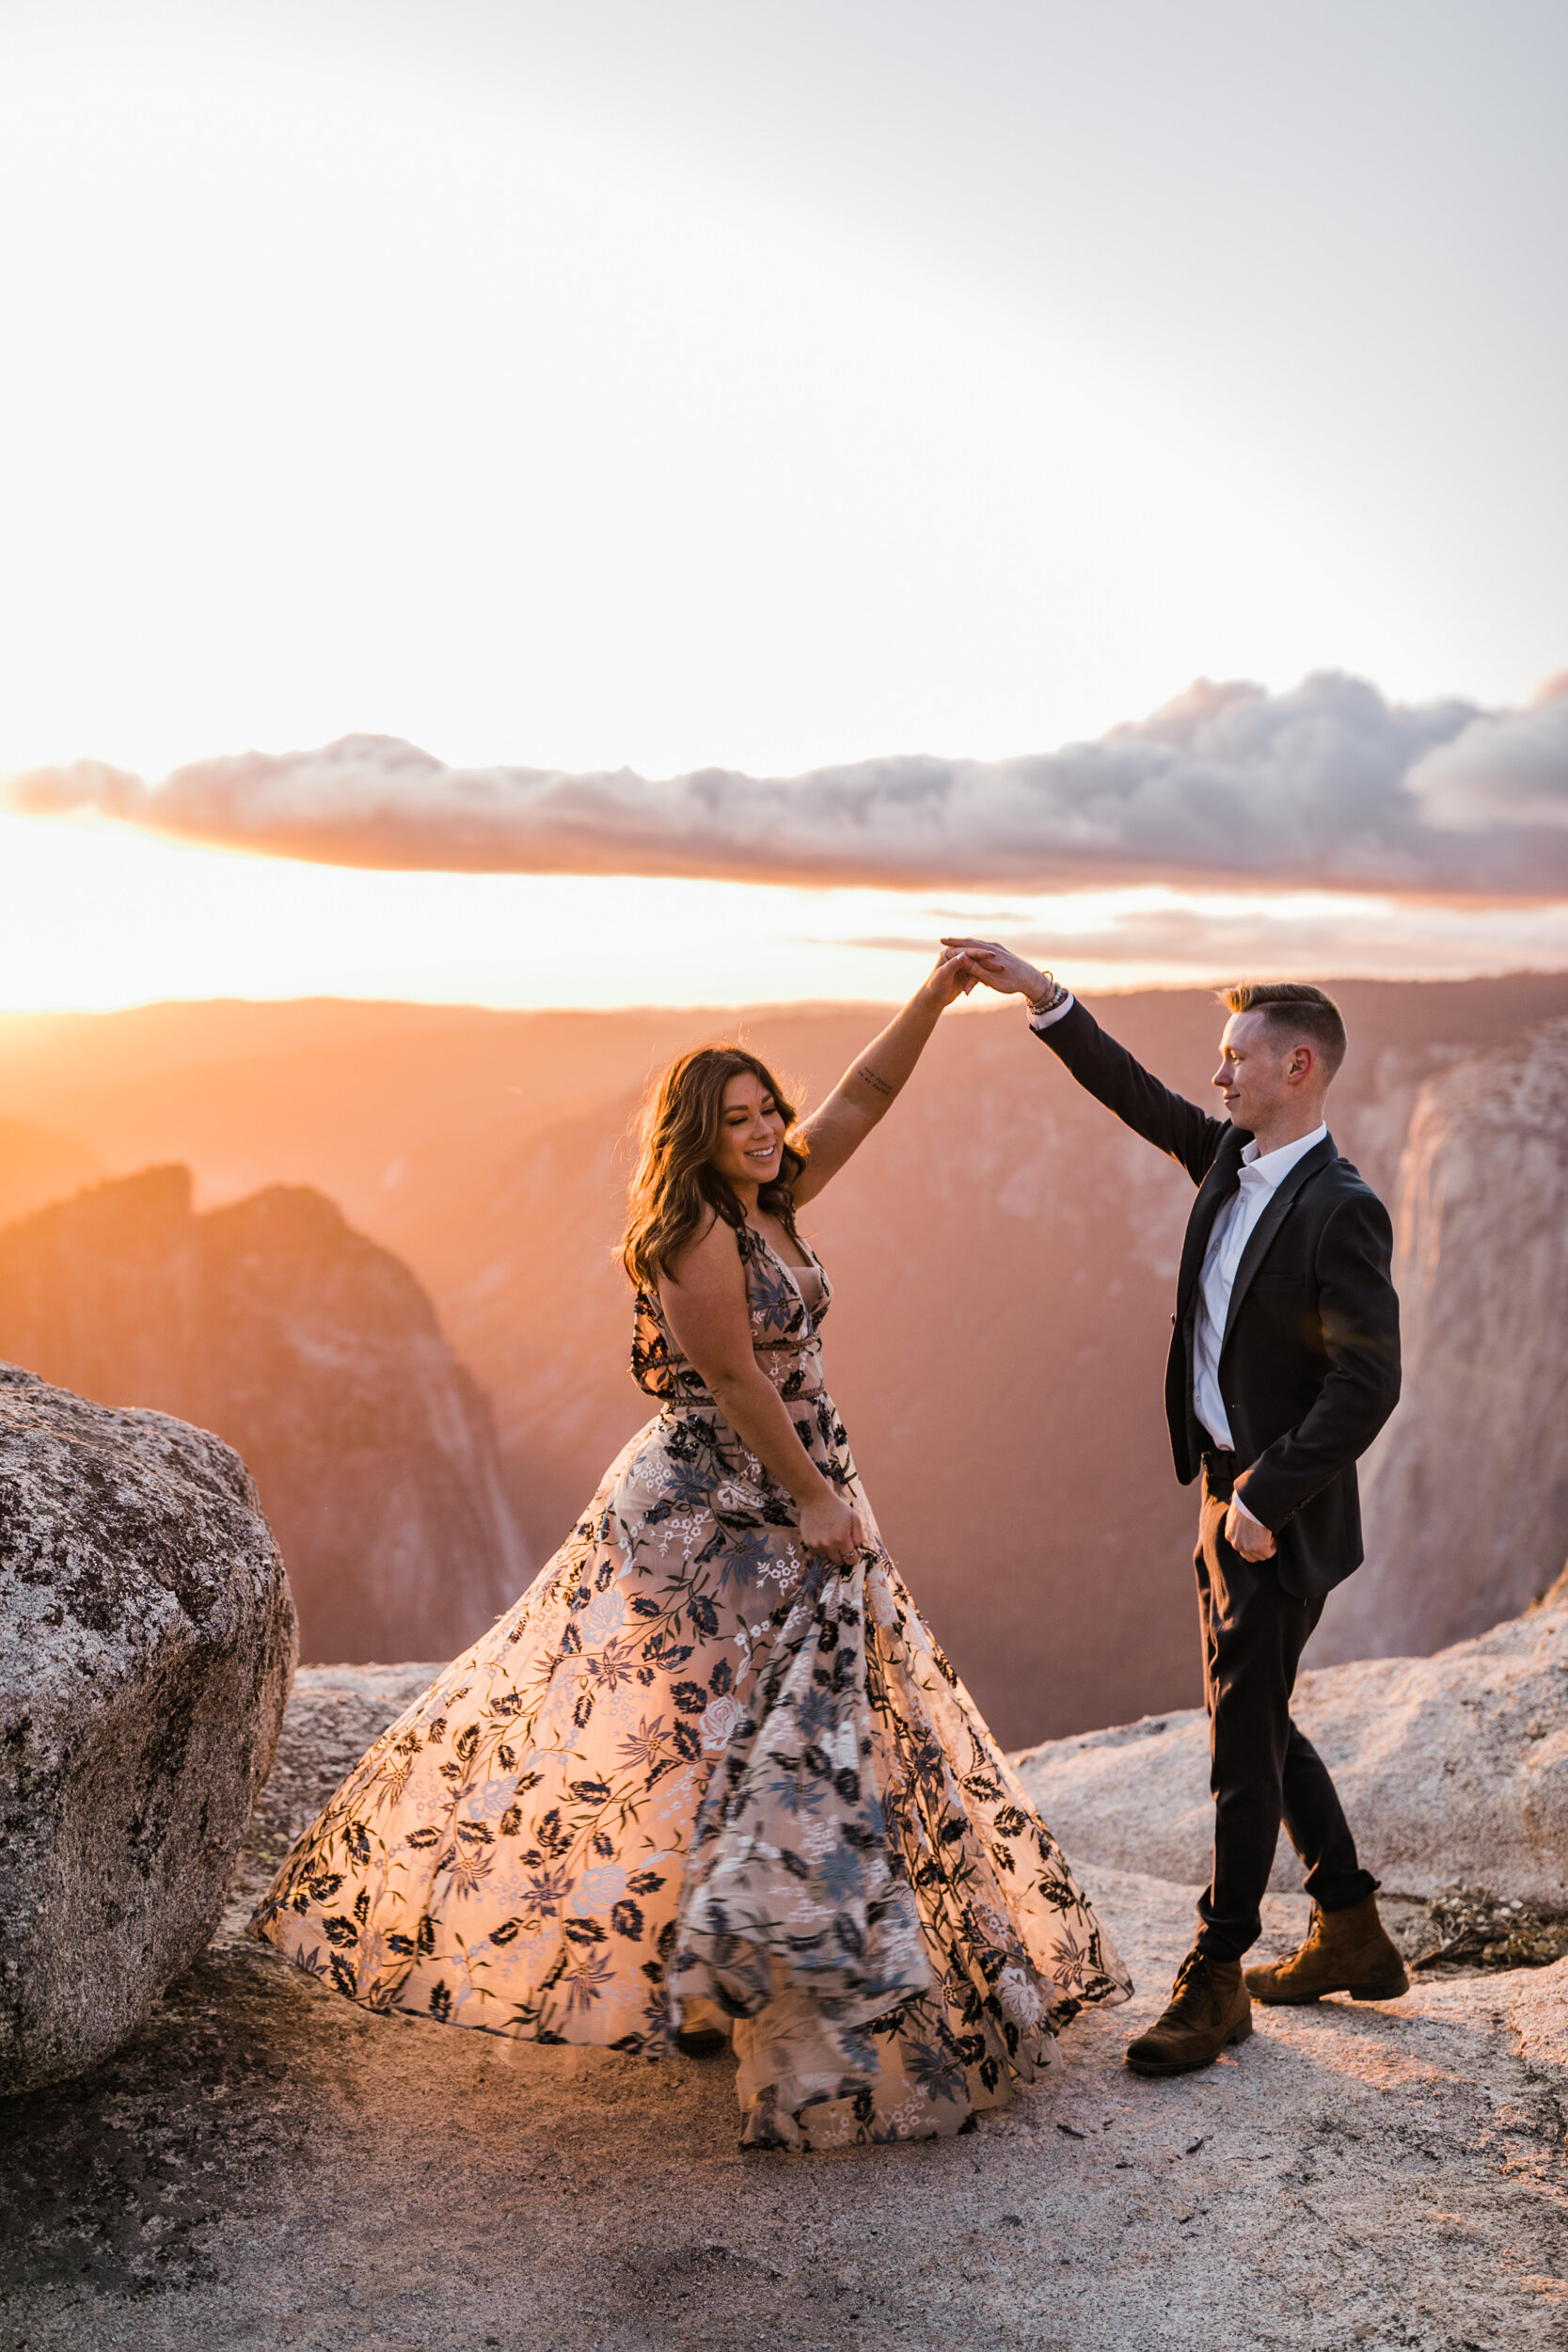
[{"x": 1274, "y": 1166}]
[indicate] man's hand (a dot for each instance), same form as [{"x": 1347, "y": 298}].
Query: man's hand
[
  {"x": 999, "y": 968},
  {"x": 1245, "y": 1535}
]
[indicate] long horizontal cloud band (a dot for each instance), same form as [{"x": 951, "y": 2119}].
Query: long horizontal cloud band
[{"x": 1330, "y": 785}]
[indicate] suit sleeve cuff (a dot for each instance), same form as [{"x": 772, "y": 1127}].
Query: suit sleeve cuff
[
  {"x": 1257, "y": 1477},
  {"x": 1040, "y": 1022},
  {"x": 1241, "y": 1505}
]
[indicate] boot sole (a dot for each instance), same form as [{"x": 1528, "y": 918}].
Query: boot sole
[
  {"x": 1391, "y": 1992},
  {"x": 1188, "y": 2066}
]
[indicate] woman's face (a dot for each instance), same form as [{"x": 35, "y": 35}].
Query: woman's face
[{"x": 750, "y": 1134}]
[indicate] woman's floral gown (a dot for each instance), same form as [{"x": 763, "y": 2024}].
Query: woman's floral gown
[{"x": 694, "y": 1770}]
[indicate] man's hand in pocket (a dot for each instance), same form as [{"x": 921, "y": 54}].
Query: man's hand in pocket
[{"x": 1245, "y": 1535}]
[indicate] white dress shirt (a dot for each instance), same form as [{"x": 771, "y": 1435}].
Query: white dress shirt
[{"x": 1261, "y": 1173}]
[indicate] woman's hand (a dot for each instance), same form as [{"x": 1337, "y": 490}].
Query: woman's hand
[
  {"x": 831, "y": 1528},
  {"x": 951, "y": 977}
]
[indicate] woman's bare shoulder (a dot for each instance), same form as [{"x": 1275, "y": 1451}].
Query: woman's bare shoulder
[{"x": 710, "y": 1252}]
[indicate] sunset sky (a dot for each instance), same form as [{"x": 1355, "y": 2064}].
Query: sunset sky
[{"x": 769, "y": 390}]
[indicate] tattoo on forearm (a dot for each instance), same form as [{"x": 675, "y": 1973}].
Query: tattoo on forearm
[{"x": 878, "y": 1085}]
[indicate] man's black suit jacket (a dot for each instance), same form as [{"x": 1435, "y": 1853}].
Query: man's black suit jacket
[{"x": 1309, "y": 1365}]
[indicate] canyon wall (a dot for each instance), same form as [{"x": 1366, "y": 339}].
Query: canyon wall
[
  {"x": 319, "y": 1357},
  {"x": 1467, "y": 1492}
]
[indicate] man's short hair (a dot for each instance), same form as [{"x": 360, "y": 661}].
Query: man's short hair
[{"x": 1297, "y": 1011}]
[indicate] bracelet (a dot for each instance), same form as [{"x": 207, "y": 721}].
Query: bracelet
[{"x": 1055, "y": 995}]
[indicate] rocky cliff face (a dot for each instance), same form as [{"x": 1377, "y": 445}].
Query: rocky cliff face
[
  {"x": 313, "y": 1352},
  {"x": 1466, "y": 1493}
]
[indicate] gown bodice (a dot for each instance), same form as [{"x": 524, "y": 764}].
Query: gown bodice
[{"x": 785, "y": 1330}]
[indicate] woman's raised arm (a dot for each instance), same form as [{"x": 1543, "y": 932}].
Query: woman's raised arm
[{"x": 865, "y": 1093}]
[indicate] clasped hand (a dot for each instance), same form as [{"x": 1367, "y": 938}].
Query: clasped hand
[{"x": 986, "y": 959}]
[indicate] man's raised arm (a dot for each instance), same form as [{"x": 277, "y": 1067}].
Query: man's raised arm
[{"x": 1105, "y": 1069}]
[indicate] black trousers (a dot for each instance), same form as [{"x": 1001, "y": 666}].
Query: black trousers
[{"x": 1262, "y": 1769}]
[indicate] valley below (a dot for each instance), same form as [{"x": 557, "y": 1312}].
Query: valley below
[{"x": 1003, "y": 1255}]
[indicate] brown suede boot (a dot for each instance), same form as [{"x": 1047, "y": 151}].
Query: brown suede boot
[
  {"x": 1345, "y": 1951},
  {"x": 1208, "y": 2008}
]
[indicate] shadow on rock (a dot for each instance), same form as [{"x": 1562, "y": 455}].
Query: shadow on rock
[{"x": 115, "y": 2180}]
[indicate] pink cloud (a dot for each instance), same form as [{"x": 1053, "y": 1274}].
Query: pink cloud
[{"x": 1330, "y": 785}]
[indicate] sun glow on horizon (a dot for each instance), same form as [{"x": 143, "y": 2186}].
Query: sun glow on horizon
[{"x": 98, "y": 917}]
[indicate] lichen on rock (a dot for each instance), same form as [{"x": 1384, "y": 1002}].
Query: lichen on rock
[{"x": 146, "y": 1647}]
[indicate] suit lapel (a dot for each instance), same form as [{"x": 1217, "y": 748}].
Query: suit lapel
[
  {"x": 1268, "y": 1226},
  {"x": 1216, "y": 1188}
]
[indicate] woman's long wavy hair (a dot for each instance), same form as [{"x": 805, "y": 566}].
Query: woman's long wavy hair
[{"x": 676, "y": 1187}]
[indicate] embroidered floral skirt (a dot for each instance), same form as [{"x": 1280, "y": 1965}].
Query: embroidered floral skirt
[{"x": 694, "y": 1772}]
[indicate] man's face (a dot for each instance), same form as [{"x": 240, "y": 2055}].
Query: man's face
[{"x": 1257, "y": 1065}]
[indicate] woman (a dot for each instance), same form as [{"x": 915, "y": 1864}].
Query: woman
[{"x": 712, "y": 1774}]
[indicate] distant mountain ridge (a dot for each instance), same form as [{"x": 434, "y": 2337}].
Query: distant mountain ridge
[
  {"x": 318, "y": 1355},
  {"x": 38, "y": 1167}
]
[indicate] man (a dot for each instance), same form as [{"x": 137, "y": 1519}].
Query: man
[{"x": 1284, "y": 1365}]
